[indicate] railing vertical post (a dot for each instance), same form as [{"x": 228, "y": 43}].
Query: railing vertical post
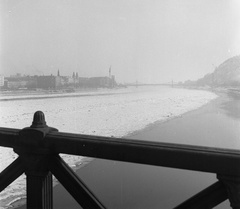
[
  {"x": 232, "y": 185},
  {"x": 39, "y": 190},
  {"x": 35, "y": 157}
]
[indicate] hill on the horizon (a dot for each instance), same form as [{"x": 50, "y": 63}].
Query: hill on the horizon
[{"x": 226, "y": 74}]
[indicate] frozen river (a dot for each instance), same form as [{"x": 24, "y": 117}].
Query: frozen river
[{"x": 108, "y": 113}]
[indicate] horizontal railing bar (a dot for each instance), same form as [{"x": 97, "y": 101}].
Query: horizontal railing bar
[
  {"x": 8, "y": 137},
  {"x": 197, "y": 158},
  {"x": 80, "y": 138},
  {"x": 189, "y": 157}
]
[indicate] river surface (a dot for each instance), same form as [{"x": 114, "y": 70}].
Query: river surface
[
  {"x": 130, "y": 112},
  {"x": 133, "y": 186}
]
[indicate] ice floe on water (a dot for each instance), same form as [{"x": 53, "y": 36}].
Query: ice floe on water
[{"x": 109, "y": 113}]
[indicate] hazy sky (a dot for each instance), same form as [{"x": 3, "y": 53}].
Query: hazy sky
[{"x": 146, "y": 40}]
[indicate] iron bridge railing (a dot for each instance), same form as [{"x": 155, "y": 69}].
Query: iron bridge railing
[{"x": 39, "y": 146}]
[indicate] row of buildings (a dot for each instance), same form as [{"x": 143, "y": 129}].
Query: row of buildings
[{"x": 51, "y": 82}]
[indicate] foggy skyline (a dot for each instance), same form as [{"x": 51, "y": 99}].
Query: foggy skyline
[{"x": 149, "y": 41}]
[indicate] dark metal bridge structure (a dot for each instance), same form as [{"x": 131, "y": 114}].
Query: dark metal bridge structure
[{"x": 38, "y": 148}]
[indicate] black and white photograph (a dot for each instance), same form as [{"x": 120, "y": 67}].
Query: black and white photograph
[{"x": 119, "y": 104}]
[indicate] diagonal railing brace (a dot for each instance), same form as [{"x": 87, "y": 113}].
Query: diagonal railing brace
[
  {"x": 73, "y": 184},
  {"x": 208, "y": 198},
  {"x": 9, "y": 174}
]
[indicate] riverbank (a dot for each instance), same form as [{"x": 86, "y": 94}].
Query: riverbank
[
  {"x": 45, "y": 94},
  {"x": 124, "y": 185}
]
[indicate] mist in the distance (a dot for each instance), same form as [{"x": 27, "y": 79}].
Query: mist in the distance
[{"x": 148, "y": 41}]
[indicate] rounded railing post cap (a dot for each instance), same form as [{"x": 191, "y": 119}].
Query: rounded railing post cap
[{"x": 38, "y": 120}]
